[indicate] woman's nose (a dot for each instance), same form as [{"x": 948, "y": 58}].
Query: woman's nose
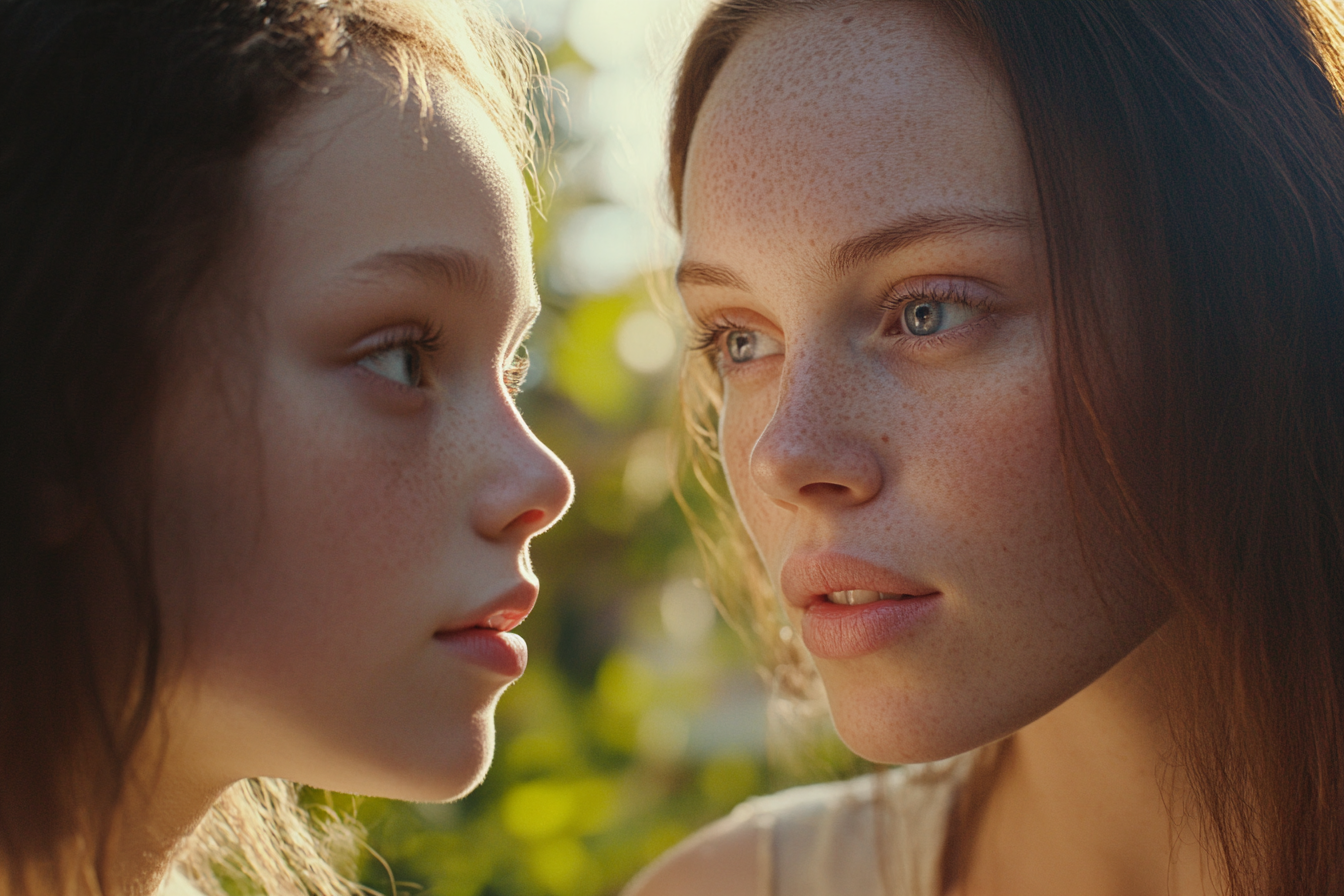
[
  {"x": 813, "y": 451},
  {"x": 530, "y": 489}
]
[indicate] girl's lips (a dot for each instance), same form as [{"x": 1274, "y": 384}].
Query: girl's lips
[
  {"x": 483, "y": 638},
  {"x": 497, "y": 651},
  {"x": 841, "y": 631}
]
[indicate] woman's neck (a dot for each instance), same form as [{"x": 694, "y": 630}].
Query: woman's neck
[{"x": 1083, "y": 801}]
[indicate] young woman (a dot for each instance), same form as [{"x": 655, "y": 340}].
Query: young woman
[
  {"x": 266, "y": 496},
  {"x": 1025, "y": 328}
]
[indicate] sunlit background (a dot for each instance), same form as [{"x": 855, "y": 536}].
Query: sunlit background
[{"x": 639, "y": 718}]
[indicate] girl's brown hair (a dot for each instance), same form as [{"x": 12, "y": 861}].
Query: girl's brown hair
[
  {"x": 126, "y": 126},
  {"x": 1189, "y": 162}
]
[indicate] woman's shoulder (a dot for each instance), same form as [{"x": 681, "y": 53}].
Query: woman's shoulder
[{"x": 875, "y": 834}]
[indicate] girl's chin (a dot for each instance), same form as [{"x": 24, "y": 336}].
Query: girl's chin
[
  {"x": 425, "y": 773},
  {"x": 428, "y": 786}
]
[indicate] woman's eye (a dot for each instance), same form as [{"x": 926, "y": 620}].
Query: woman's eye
[
  {"x": 929, "y": 318},
  {"x": 741, "y": 346},
  {"x": 399, "y": 363}
]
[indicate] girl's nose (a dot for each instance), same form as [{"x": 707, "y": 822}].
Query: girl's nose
[
  {"x": 813, "y": 451},
  {"x": 530, "y": 488}
]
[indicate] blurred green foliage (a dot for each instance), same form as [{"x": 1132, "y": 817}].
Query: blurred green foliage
[{"x": 639, "y": 718}]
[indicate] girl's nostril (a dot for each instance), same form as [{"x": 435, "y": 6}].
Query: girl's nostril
[{"x": 531, "y": 517}]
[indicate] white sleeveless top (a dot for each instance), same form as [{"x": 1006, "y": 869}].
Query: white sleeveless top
[
  {"x": 877, "y": 835},
  {"x": 177, "y": 884}
]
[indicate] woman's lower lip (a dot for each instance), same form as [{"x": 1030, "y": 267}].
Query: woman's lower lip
[
  {"x": 841, "y": 631},
  {"x": 503, "y": 653}
]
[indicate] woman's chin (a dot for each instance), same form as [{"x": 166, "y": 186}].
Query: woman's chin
[{"x": 895, "y": 730}]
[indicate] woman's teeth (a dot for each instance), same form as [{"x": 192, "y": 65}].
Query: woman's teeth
[{"x": 855, "y": 598}]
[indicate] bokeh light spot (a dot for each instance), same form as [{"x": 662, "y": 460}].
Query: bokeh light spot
[
  {"x": 538, "y": 809},
  {"x": 645, "y": 343},
  {"x": 688, "y": 612},
  {"x": 648, "y": 473}
]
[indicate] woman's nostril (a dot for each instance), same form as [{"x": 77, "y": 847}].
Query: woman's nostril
[
  {"x": 815, "y": 466},
  {"x": 824, "y": 489}
]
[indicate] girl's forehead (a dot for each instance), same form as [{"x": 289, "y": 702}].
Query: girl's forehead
[{"x": 354, "y": 176}]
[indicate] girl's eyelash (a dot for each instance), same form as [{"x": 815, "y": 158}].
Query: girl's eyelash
[
  {"x": 423, "y": 339},
  {"x": 516, "y": 372},
  {"x": 423, "y": 336}
]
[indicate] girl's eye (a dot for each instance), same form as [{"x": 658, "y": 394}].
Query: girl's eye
[
  {"x": 741, "y": 346},
  {"x": 403, "y": 364},
  {"x": 928, "y": 317}
]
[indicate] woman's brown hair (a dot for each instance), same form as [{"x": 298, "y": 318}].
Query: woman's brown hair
[
  {"x": 126, "y": 127},
  {"x": 1189, "y": 162}
]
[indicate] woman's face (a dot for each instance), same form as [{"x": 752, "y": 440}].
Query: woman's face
[
  {"x": 345, "y": 490},
  {"x": 864, "y": 253}
]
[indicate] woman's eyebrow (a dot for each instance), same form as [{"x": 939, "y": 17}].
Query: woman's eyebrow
[
  {"x": 916, "y": 228},
  {"x": 701, "y": 274},
  {"x": 440, "y": 266},
  {"x": 891, "y": 237}
]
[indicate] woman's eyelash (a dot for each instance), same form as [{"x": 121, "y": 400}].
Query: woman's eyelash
[
  {"x": 707, "y": 334},
  {"x": 898, "y": 297}
]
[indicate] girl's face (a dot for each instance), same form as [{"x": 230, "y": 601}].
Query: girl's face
[
  {"x": 345, "y": 490},
  {"x": 864, "y": 253}
]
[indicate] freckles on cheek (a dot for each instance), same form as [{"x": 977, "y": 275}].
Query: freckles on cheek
[
  {"x": 350, "y": 497},
  {"x": 379, "y": 500},
  {"x": 998, "y": 464}
]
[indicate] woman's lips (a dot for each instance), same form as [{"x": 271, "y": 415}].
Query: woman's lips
[
  {"x": 841, "y": 631},
  {"x": 851, "y": 607},
  {"x": 857, "y": 596}
]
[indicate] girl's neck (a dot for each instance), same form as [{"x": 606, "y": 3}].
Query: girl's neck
[
  {"x": 1083, "y": 801},
  {"x": 158, "y": 813}
]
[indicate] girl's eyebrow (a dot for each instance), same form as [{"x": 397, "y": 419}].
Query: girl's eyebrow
[
  {"x": 439, "y": 265},
  {"x": 881, "y": 241}
]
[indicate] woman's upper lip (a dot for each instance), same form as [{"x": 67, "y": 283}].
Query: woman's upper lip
[
  {"x": 505, "y": 611},
  {"x": 807, "y": 578}
]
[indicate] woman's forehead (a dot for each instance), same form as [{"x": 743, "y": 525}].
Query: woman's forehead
[{"x": 828, "y": 123}]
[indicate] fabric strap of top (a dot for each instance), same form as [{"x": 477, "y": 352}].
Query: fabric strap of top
[{"x": 878, "y": 835}]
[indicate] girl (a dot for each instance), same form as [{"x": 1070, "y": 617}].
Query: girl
[
  {"x": 1024, "y": 328},
  {"x": 267, "y": 499}
]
